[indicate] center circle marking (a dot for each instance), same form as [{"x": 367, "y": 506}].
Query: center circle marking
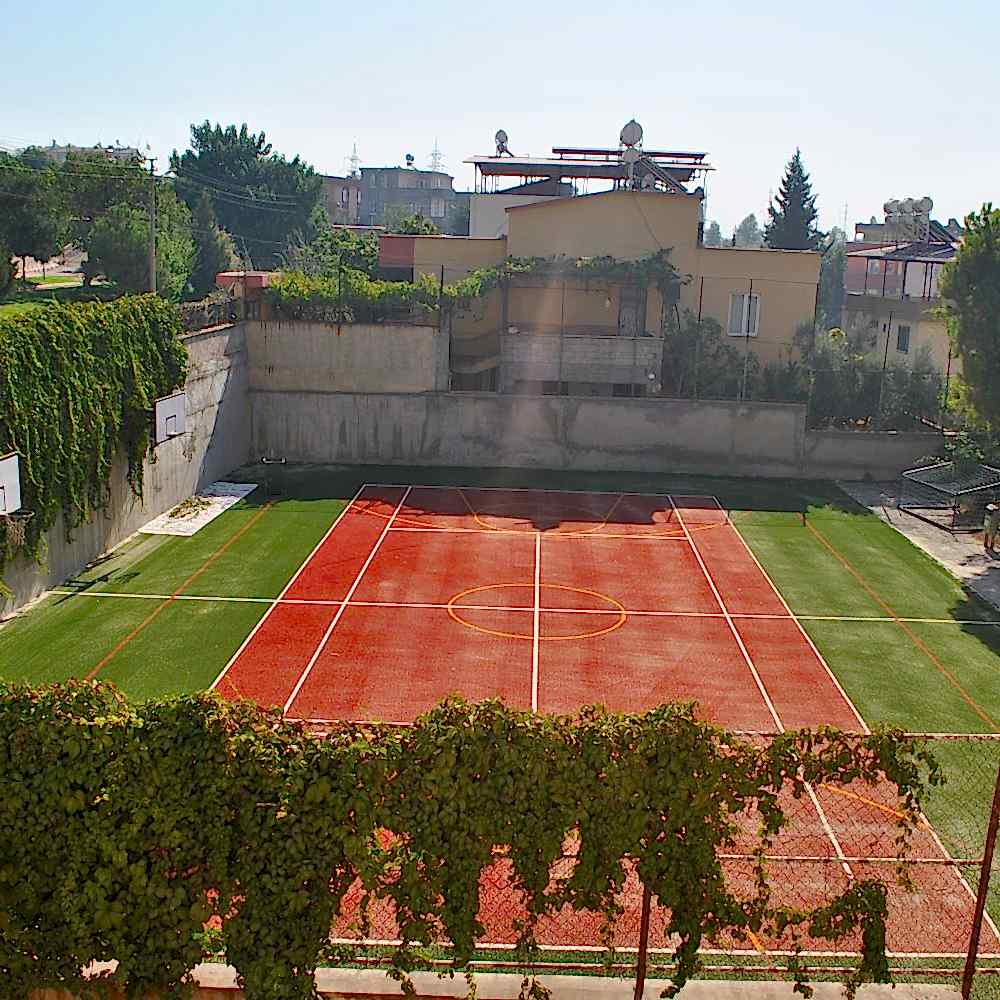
[{"x": 454, "y": 609}]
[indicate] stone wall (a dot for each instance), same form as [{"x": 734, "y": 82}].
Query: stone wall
[{"x": 217, "y": 441}]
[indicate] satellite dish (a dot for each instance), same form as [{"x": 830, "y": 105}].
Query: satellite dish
[
  {"x": 631, "y": 155},
  {"x": 925, "y": 205},
  {"x": 631, "y": 134},
  {"x": 501, "y": 141}
]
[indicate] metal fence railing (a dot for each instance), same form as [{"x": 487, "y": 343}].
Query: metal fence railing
[{"x": 943, "y": 917}]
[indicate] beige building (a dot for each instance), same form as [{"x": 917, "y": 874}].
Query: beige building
[
  {"x": 558, "y": 333},
  {"x": 892, "y": 291}
]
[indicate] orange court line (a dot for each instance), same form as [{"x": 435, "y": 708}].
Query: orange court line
[
  {"x": 922, "y": 823},
  {"x": 155, "y": 613},
  {"x": 917, "y": 641}
]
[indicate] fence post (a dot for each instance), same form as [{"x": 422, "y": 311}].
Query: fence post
[
  {"x": 984, "y": 887},
  {"x": 640, "y": 962}
]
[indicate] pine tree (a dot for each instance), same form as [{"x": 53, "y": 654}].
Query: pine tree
[
  {"x": 792, "y": 215},
  {"x": 216, "y": 251},
  {"x": 713, "y": 235}
]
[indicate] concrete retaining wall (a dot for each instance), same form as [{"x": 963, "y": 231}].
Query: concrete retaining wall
[
  {"x": 217, "y": 441},
  {"x": 559, "y": 432},
  {"x": 355, "y": 357}
]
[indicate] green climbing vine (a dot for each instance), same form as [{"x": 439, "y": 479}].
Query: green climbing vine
[
  {"x": 157, "y": 832},
  {"x": 77, "y": 384},
  {"x": 351, "y": 295}
]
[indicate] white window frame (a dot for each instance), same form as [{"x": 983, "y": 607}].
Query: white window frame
[{"x": 747, "y": 298}]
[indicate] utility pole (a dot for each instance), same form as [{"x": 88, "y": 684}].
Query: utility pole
[{"x": 152, "y": 225}]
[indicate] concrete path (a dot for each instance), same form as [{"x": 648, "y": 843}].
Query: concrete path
[{"x": 962, "y": 554}]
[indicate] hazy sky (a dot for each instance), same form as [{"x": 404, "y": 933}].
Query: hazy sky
[{"x": 885, "y": 99}]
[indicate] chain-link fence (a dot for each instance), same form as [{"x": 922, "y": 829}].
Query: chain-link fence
[{"x": 836, "y": 835}]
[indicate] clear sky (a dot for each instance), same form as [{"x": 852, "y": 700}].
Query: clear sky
[{"x": 887, "y": 99}]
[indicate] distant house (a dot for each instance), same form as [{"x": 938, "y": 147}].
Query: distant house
[
  {"x": 342, "y": 198},
  {"x": 892, "y": 290},
  {"x": 388, "y": 191},
  {"x": 117, "y": 154}
]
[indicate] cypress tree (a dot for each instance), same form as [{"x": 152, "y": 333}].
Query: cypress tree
[{"x": 792, "y": 215}]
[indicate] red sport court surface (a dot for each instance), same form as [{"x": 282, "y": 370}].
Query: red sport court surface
[
  {"x": 553, "y": 600},
  {"x": 548, "y": 600}
]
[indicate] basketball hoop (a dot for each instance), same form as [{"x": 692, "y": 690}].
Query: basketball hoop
[{"x": 16, "y": 528}]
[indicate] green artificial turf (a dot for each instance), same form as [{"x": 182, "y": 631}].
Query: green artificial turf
[{"x": 894, "y": 673}]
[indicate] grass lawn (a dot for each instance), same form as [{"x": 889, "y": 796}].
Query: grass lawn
[
  {"x": 838, "y": 562},
  {"x": 20, "y": 299},
  {"x": 56, "y": 280}
]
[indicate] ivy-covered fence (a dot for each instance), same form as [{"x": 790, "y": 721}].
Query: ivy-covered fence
[
  {"x": 77, "y": 385},
  {"x": 154, "y": 834}
]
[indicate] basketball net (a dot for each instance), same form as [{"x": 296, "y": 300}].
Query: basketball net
[{"x": 16, "y": 526}]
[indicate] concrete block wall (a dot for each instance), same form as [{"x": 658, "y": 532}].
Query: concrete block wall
[
  {"x": 217, "y": 441},
  {"x": 536, "y": 357}
]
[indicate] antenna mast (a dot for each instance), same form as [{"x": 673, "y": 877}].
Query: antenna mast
[{"x": 437, "y": 160}]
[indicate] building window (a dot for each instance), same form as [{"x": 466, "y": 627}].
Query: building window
[
  {"x": 873, "y": 266},
  {"x": 744, "y": 314},
  {"x": 344, "y": 195},
  {"x": 903, "y": 339},
  {"x": 437, "y": 208}
]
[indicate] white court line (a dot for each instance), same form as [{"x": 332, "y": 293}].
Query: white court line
[
  {"x": 735, "y": 615},
  {"x": 805, "y": 635},
  {"x": 729, "y": 621},
  {"x": 343, "y": 605},
  {"x": 537, "y": 623},
  {"x": 760, "y": 685},
  {"x": 284, "y": 590}
]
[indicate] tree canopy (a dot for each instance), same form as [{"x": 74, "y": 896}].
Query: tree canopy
[
  {"x": 410, "y": 225},
  {"x": 831, "y": 279},
  {"x": 970, "y": 286},
  {"x": 748, "y": 232},
  {"x": 34, "y": 211},
  {"x": 713, "y": 235},
  {"x": 792, "y": 215},
  {"x": 258, "y": 195},
  {"x": 119, "y": 240}
]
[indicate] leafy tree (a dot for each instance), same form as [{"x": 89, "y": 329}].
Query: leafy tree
[
  {"x": 713, "y": 235},
  {"x": 93, "y": 183},
  {"x": 34, "y": 216},
  {"x": 698, "y": 362},
  {"x": 459, "y": 218},
  {"x": 331, "y": 250},
  {"x": 970, "y": 286},
  {"x": 6, "y": 270},
  {"x": 215, "y": 250},
  {"x": 409, "y": 225},
  {"x": 792, "y": 215},
  {"x": 831, "y": 279},
  {"x": 748, "y": 232},
  {"x": 257, "y": 195},
  {"x": 119, "y": 245}
]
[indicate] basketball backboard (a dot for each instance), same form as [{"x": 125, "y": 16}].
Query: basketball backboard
[
  {"x": 10, "y": 483},
  {"x": 169, "y": 417}
]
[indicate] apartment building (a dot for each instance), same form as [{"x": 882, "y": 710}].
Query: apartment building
[{"x": 562, "y": 332}]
